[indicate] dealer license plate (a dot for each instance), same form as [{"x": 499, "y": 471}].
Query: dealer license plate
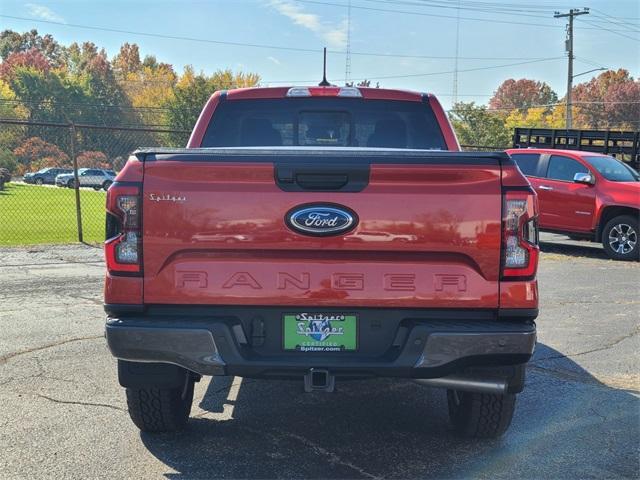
[{"x": 320, "y": 332}]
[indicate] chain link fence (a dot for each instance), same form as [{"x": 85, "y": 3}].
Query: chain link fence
[
  {"x": 58, "y": 177},
  {"x": 56, "y": 194}
]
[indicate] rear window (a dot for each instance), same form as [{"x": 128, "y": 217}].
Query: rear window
[{"x": 331, "y": 122}]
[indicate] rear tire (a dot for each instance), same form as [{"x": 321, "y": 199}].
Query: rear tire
[
  {"x": 156, "y": 410},
  {"x": 480, "y": 415},
  {"x": 39, "y": 181},
  {"x": 106, "y": 185},
  {"x": 620, "y": 238}
]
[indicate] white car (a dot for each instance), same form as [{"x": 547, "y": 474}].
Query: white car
[{"x": 88, "y": 177}]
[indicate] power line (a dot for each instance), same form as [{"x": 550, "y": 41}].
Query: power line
[
  {"x": 599, "y": 21},
  {"x": 250, "y": 45},
  {"x": 586, "y": 61},
  {"x": 170, "y": 37},
  {"x": 485, "y": 20},
  {"x": 612, "y": 31},
  {"x": 422, "y": 14},
  {"x": 411, "y": 75},
  {"x": 464, "y": 70},
  {"x": 80, "y": 104},
  {"x": 427, "y": 4},
  {"x": 613, "y": 20},
  {"x": 500, "y": 4}
]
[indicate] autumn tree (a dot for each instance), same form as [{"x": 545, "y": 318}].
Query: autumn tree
[
  {"x": 127, "y": 60},
  {"x": 14, "y": 42},
  {"x": 31, "y": 58},
  {"x": 193, "y": 90},
  {"x": 536, "y": 117},
  {"x": 147, "y": 85},
  {"x": 35, "y": 153},
  {"x": 522, "y": 94},
  {"x": 476, "y": 125},
  {"x": 92, "y": 159},
  {"x": 610, "y": 100}
]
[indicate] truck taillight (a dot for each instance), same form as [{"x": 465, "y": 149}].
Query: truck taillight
[
  {"x": 123, "y": 245},
  {"x": 519, "y": 234}
]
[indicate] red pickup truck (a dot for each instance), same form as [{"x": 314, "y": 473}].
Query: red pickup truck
[
  {"x": 586, "y": 195},
  {"x": 322, "y": 234}
]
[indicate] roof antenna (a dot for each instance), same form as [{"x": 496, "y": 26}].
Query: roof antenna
[{"x": 324, "y": 82}]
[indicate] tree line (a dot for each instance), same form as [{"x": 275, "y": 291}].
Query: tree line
[
  {"x": 42, "y": 80},
  {"x": 609, "y": 101}
]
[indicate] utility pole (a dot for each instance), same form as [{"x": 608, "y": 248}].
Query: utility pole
[{"x": 574, "y": 12}]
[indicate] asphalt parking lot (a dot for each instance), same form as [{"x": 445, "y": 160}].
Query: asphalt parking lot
[{"x": 63, "y": 415}]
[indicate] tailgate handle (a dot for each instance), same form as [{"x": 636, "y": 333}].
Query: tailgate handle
[
  {"x": 326, "y": 177},
  {"x": 322, "y": 181}
]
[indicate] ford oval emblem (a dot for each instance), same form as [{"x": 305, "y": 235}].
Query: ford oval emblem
[{"x": 321, "y": 219}]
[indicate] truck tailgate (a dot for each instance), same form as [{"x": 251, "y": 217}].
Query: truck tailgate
[{"x": 428, "y": 231}]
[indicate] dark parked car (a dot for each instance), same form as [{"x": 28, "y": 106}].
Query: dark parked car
[{"x": 46, "y": 175}]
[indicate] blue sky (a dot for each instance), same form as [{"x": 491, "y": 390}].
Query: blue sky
[{"x": 377, "y": 27}]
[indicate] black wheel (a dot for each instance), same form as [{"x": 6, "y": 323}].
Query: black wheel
[
  {"x": 480, "y": 415},
  {"x": 620, "y": 238},
  {"x": 106, "y": 185},
  {"x": 160, "y": 409},
  {"x": 39, "y": 181},
  {"x": 71, "y": 183}
]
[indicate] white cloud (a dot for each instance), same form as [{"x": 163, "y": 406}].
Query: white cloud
[
  {"x": 335, "y": 35},
  {"x": 274, "y": 60},
  {"x": 43, "y": 12}
]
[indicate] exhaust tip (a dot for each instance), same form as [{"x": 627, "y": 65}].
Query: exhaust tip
[{"x": 495, "y": 386}]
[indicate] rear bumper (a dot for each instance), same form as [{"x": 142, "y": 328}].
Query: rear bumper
[{"x": 222, "y": 345}]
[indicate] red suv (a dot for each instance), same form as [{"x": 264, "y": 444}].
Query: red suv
[{"x": 585, "y": 195}]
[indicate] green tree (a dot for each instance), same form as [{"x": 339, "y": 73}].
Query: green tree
[
  {"x": 475, "y": 125},
  {"x": 10, "y": 135},
  {"x": 192, "y": 92},
  {"x": 8, "y": 160}
]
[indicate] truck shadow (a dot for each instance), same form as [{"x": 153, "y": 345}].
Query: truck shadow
[
  {"x": 573, "y": 248},
  {"x": 567, "y": 425}
]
